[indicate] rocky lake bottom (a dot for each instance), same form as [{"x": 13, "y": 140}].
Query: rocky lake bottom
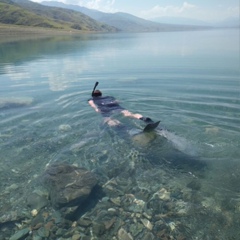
[{"x": 117, "y": 192}]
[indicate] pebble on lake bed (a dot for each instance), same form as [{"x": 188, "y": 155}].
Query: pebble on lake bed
[
  {"x": 64, "y": 127},
  {"x": 172, "y": 226},
  {"x": 147, "y": 224},
  {"x": 34, "y": 212},
  {"x": 123, "y": 235},
  {"x": 211, "y": 130},
  {"x": 12, "y": 187},
  {"x": 163, "y": 194}
]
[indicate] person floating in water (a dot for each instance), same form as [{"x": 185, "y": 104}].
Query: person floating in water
[{"x": 107, "y": 105}]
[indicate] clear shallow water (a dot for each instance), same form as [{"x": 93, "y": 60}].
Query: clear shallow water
[{"x": 188, "y": 80}]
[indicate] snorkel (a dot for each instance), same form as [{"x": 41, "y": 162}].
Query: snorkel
[{"x": 94, "y": 88}]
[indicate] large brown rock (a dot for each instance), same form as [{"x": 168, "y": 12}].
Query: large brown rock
[{"x": 68, "y": 185}]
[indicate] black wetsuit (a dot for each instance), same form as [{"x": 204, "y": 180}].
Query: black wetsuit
[{"x": 107, "y": 105}]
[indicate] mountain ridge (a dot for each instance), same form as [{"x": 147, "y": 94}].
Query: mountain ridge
[
  {"x": 124, "y": 21},
  {"x": 27, "y": 13}
]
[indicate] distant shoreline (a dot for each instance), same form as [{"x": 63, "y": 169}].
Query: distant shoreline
[{"x": 10, "y": 32}]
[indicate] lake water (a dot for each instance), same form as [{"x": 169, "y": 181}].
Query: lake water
[{"x": 188, "y": 80}]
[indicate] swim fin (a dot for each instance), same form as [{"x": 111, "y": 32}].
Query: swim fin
[{"x": 151, "y": 126}]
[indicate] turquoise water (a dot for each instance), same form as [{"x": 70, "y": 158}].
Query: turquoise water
[{"x": 188, "y": 80}]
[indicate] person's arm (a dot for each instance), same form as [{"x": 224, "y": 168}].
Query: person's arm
[{"x": 92, "y": 104}]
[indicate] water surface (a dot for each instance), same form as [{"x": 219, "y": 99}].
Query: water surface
[{"x": 188, "y": 80}]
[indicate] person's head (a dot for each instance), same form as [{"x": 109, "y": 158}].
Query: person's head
[{"x": 96, "y": 93}]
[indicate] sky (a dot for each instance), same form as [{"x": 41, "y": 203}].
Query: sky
[{"x": 206, "y": 10}]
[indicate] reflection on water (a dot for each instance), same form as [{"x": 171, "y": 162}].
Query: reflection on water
[{"x": 178, "y": 182}]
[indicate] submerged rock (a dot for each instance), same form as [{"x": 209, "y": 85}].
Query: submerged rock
[
  {"x": 194, "y": 185},
  {"x": 35, "y": 201},
  {"x": 163, "y": 194},
  {"x": 68, "y": 185},
  {"x": 15, "y": 102},
  {"x": 64, "y": 127},
  {"x": 98, "y": 229},
  {"x": 147, "y": 224},
  {"x": 123, "y": 235},
  {"x": 20, "y": 234}
]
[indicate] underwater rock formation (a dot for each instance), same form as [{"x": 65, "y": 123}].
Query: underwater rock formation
[
  {"x": 15, "y": 102},
  {"x": 68, "y": 185}
]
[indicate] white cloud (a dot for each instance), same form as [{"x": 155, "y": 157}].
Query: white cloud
[
  {"x": 101, "y": 5},
  {"x": 159, "y": 11},
  {"x": 188, "y": 10}
]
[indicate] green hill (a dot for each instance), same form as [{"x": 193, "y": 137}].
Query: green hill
[
  {"x": 24, "y": 12},
  {"x": 10, "y": 14}
]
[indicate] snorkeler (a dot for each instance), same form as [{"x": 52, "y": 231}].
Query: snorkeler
[{"x": 108, "y": 105}]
